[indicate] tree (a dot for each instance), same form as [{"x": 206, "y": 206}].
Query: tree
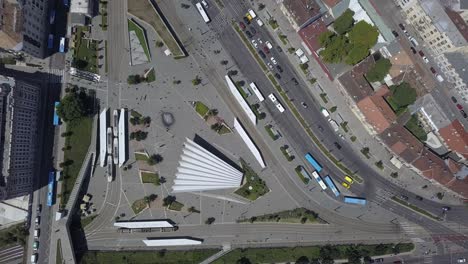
[
  {"x": 192, "y": 209},
  {"x": 224, "y": 62},
  {"x": 79, "y": 64},
  {"x": 138, "y": 135},
  {"x": 381, "y": 249},
  {"x": 212, "y": 112},
  {"x": 261, "y": 7},
  {"x": 325, "y": 38},
  {"x": 185, "y": 6},
  {"x": 159, "y": 44},
  {"x": 233, "y": 72},
  {"x": 336, "y": 50},
  {"x": 304, "y": 66},
  {"x": 196, "y": 81},
  {"x": 302, "y": 260},
  {"x": 363, "y": 34},
  {"x": 333, "y": 109},
  {"x": 134, "y": 79},
  {"x": 379, "y": 71},
  {"x": 168, "y": 200},
  {"x": 394, "y": 174},
  {"x": 403, "y": 95},
  {"x": 154, "y": 159},
  {"x": 210, "y": 220},
  {"x": 243, "y": 260},
  {"x": 344, "y": 23},
  {"x": 71, "y": 107},
  {"x": 357, "y": 53},
  {"x": 353, "y": 254},
  {"x": 216, "y": 127}
]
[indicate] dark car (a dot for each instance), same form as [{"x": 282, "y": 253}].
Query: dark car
[
  {"x": 413, "y": 50},
  {"x": 395, "y": 33},
  {"x": 248, "y": 34},
  {"x": 401, "y": 26},
  {"x": 242, "y": 25},
  {"x": 337, "y": 145},
  {"x": 433, "y": 70},
  {"x": 295, "y": 81},
  {"x": 403, "y": 197},
  {"x": 253, "y": 30},
  {"x": 446, "y": 208},
  {"x": 379, "y": 260},
  {"x": 421, "y": 53},
  {"x": 419, "y": 198},
  {"x": 463, "y": 114},
  {"x": 454, "y": 99},
  {"x": 262, "y": 54},
  {"x": 279, "y": 68},
  {"x": 279, "y": 49},
  {"x": 277, "y": 76},
  {"x": 39, "y": 208},
  {"x": 246, "y": 20},
  {"x": 266, "y": 49}
]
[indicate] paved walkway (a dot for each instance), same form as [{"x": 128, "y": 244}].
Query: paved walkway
[{"x": 357, "y": 126}]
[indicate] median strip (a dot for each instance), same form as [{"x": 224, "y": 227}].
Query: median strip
[{"x": 415, "y": 208}]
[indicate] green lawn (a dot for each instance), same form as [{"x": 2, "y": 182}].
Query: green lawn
[
  {"x": 141, "y": 156},
  {"x": 298, "y": 172},
  {"x": 150, "y": 177},
  {"x": 139, "y": 205},
  {"x": 415, "y": 208},
  {"x": 176, "y": 206},
  {"x": 144, "y": 10},
  {"x": 273, "y": 23},
  {"x": 201, "y": 108},
  {"x": 13, "y": 235},
  {"x": 134, "y": 113},
  {"x": 86, "y": 50},
  {"x": 147, "y": 257},
  {"x": 291, "y": 254},
  {"x": 269, "y": 130},
  {"x": 259, "y": 186},
  {"x": 413, "y": 126},
  {"x": 87, "y": 220},
  {"x": 151, "y": 76},
  {"x": 224, "y": 130},
  {"x": 132, "y": 26},
  {"x": 298, "y": 215},
  {"x": 79, "y": 142}
]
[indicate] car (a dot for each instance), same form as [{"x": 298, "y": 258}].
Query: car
[
  {"x": 463, "y": 114},
  {"x": 246, "y": 20},
  {"x": 446, "y": 208},
  {"x": 403, "y": 197},
  {"x": 421, "y": 53},
  {"x": 260, "y": 41},
  {"x": 348, "y": 179},
  {"x": 34, "y": 258},
  {"x": 461, "y": 260},
  {"x": 401, "y": 26},
  {"x": 252, "y": 29},
  {"x": 459, "y": 106},
  {"x": 413, "y": 50},
  {"x": 426, "y": 60},
  {"x": 248, "y": 34},
  {"x": 268, "y": 44},
  {"x": 454, "y": 99},
  {"x": 273, "y": 60},
  {"x": 277, "y": 76},
  {"x": 242, "y": 25},
  {"x": 419, "y": 198},
  {"x": 39, "y": 208},
  {"x": 337, "y": 145},
  {"x": 320, "y": 128},
  {"x": 269, "y": 65},
  {"x": 395, "y": 33},
  {"x": 346, "y": 185},
  {"x": 304, "y": 104},
  {"x": 254, "y": 43},
  {"x": 295, "y": 81},
  {"x": 204, "y": 3},
  {"x": 433, "y": 70},
  {"x": 38, "y": 220},
  {"x": 279, "y": 68},
  {"x": 266, "y": 50},
  {"x": 36, "y": 245},
  {"x": 279, "y": 49},
  {"x": 262, "y": 54}
]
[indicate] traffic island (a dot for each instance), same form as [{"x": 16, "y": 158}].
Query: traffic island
[
  {"x": 139, "y": 205},
  {"x": 254, "y": 187},
  {"x": 416, "y": 209},
  {"x": 298, "y": 215}
]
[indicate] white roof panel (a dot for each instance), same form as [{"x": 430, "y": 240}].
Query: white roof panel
[
  {"x": 144, "y": 224},
  {"x": 161, "y": 242}
]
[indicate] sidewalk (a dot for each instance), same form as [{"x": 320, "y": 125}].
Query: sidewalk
[{"x": 336, "y": 94}]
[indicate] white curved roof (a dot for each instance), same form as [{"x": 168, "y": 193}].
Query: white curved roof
[
  {"x": 160, "y": 242},
  {"x": 144, "y": 224},
  {"x": 201, "y": 170}
]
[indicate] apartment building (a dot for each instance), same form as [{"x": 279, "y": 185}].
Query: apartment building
[{"x": 19, "y": 107}]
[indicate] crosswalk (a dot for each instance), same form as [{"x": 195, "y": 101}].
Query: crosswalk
[
  {"x": 55, "y": 75},
  {"x": 12, "y": 253}
]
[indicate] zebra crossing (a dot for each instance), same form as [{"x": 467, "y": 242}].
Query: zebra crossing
[
  {"x": 55, "y": 75},
  {"x": 11, "y": 254},
  {"x": 219, "y": 23}
]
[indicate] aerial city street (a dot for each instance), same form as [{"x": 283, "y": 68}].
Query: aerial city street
[{"x": 234, "y": 131}]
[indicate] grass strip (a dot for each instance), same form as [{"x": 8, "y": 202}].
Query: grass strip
[
  {"x": 201, "y": 109},
  {"x": 175, "y": 206},
  {"x": 415, "y": 208},
  {"x": 139, "y": 205},
  {"x": 269, "y": 130},
  {"x": 132, "y": 26},
  {"x": 298, "y": 215},
  {"x": 150, "y": 177},
  {"x": 252, "y": 50},
  {"x": 298, "y": 170}
]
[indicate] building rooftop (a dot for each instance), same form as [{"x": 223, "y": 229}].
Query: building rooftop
[
  {"x": 459, "y": 61},
  {"x": 455, "y": 137},
  {"x": 433, "y": 167},
  {"x": 402, "y": 142},
  {"x": 81, "y": 7},
  {"x": 442, "y": 22},
  {"x": 311, "y": 33},
  {"x": 431, "y": 111},
  {"x": 377, "y": 111},
  {"x": 458, "y": 22},
  {"x": 11, "y": 35},
  {"x": 354, "y": 81},
  {"x": 303, "y": 11},
  {"x": 331, "y": 3}
]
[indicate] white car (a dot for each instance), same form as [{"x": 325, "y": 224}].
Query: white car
[
  {"x": 461, "y": 260},
  {"x": 254, "y": 43},
  {"x": 260, "y": 41},
  {"x": 205, "y": 4},
  {"x": 272, "y": 97},
  {"x": 425, "y": 59},
  {"x": 268, "y": 44},
  {"x": 269, "y": 65},
  {"x": 273, "y": 60}
]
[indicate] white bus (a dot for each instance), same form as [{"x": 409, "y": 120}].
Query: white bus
[
  {"x": 257, "y": 92},
  {"x": 319, "y": 180},
  {"x": 202, "y": 12}
]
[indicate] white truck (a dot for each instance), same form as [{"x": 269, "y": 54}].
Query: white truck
[
  {"x": 334, "y": 125},
  {"x": 252, "y": 13},
  {"x": 325, "y": 112}
]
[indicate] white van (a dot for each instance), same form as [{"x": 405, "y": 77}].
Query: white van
[
  {"x": 439, "y": 78},
  {"x": 34, "y": 258},
  {"x": 36, "y": 233},
  {"x": 259, "y": 22}
]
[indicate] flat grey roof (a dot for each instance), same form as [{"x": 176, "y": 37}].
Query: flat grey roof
[{"x": 459, "y": 61}]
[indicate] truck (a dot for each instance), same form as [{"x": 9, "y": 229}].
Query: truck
[{"x": 252, "y": 13}]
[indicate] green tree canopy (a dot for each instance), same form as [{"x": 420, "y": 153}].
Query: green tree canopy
[
  {"x": 363, "y": 34},
  {"x": 403, "y": 94},
  {"x": 356, "y": 54},
  {"x": 326, "y": 38},
  {"x": 71, "y": 107},
  {"x": 336, "y": 50},
  {"x": 380, "y": 69},
  {"x": 344, "y": 23}
]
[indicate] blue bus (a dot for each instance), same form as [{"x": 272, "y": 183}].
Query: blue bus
[
  {"x": 331, "y": 185},
  {"x": 355, "y": 200},
  {"x": 50, "y": 41},
  {"x": 56, "y": 120},
  {"x": 313, "y": 162},
  {"x": 50, "y": 189},
  {"x": 62, "y": 45}
]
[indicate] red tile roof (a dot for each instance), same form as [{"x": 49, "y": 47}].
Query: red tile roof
[
  {"x": 331, "y": 3},
  {"x": 455, "y": 137},
  {"x": 310, "y": 33},
  {"x": 354, "y": 81},
  {"x": 302, "y": 10},
  {"x": 433, "y": 167},
  {"x": 376, "y": 110},
  {"x": 402, "y": 142}
]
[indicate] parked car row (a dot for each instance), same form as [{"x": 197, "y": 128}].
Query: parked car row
[
  {"x": 460, "y": 107},
  {"x": 37, "y": 233}
]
